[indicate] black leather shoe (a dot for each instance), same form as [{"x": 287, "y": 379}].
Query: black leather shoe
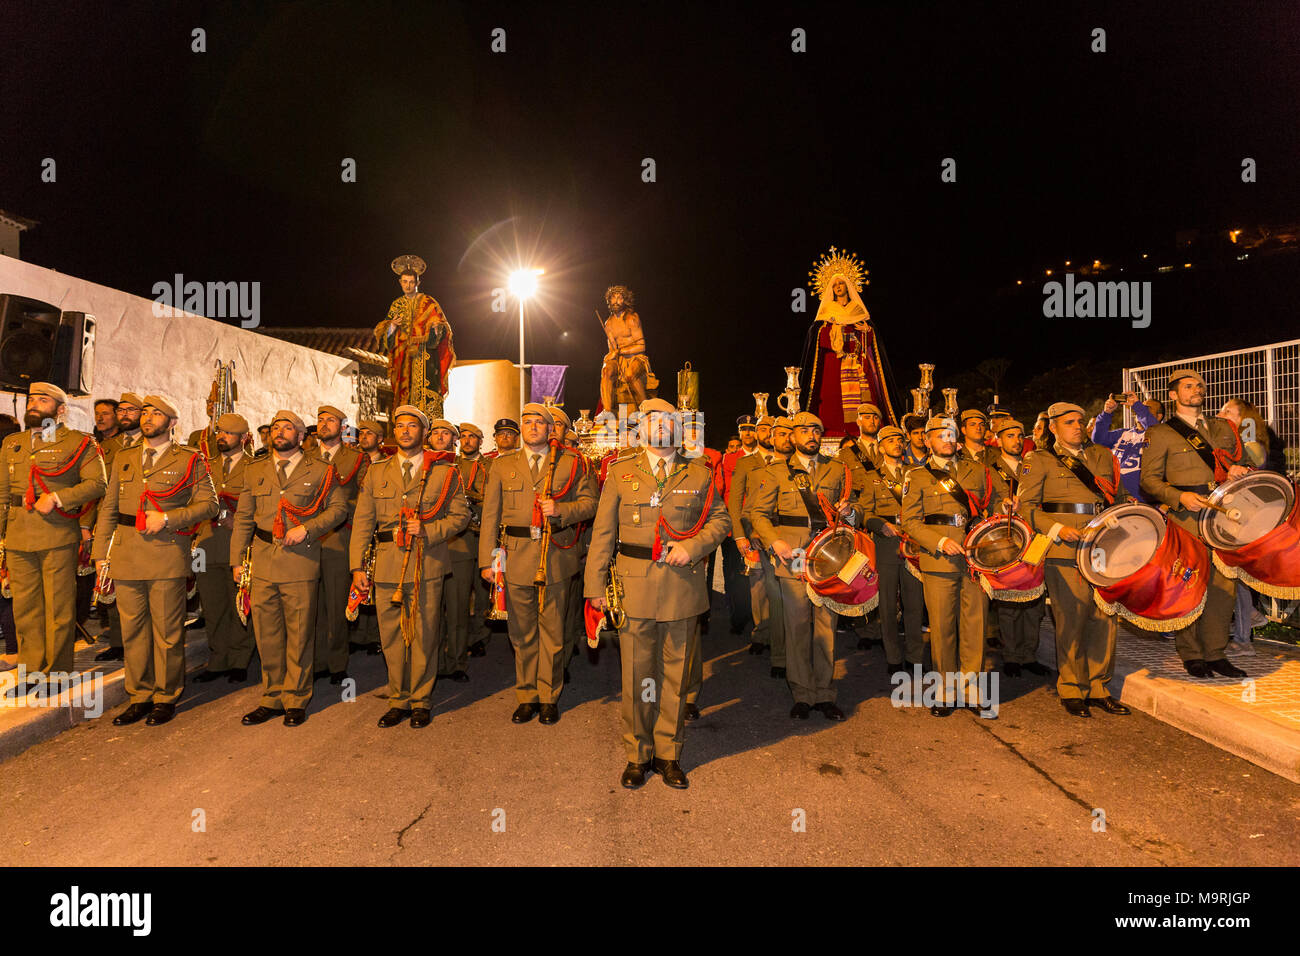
[
  {"x": 394, "y": 716},
  {"x": 672, "y": 773},
  {"x": 421, "y": 717},
  {"x": 237, "y": 675},
  {"x": 374, "y": 649},
  {"x": 294, "y": 716},
  {"x": 692, "y": 712},
  {"x": 1198, "y": 668},
  {"x": 160, "y": 714},
  {"x": 1036, "y": 668},
  {"x": 550, "y": 714},
  {"x": 477, "y": 649},
  {"x": 195, "y": 624},
  {"x": 260, "y": 716},
  {"x": 1075, "y": 706},
  {"x": 209, "y": 675},
  {"x": 338, "y": 678},
  {"x": 1011, "y": 669},
  {"x": 777, "y": 672},
  {"x": 132, "y": 714},
  {"x": 353, "y": 647},
  {"x": 941, "y": 710},
  {"x": 831, "y": 711},
  {"x": 1109, "y": 704},
  {"x": 459, "y": 677},
  {"x": 1221, "y": 666},
  {"x": 756, "y": 648},
  {"x": 112, "y": 654},
  {"x": 801, "y": 711},
  {"x": 634, "y": 775},
  {"x": 524, "y": 713}
]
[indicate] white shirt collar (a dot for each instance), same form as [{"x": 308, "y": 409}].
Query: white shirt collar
[{"x": 292, "y": 460}]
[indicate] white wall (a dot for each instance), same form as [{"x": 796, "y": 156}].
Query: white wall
[
  {"x": 136, "y": 351},
  {"x": 482, "y": 392}
]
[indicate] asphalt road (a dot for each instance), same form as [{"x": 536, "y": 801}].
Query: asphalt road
[{"x": 889, "y": 786}]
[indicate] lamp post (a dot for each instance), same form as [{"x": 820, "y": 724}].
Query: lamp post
[{"x": 522, "y": 285}]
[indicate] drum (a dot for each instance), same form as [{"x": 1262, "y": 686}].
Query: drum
[
  {"x": 1253, "y": 525},
  {"x": 840, "y": 571},
  {"x": 1149, "y": 571},
  {"x": 995, "y": 548}
]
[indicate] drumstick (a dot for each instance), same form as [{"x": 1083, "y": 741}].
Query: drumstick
[{"x": 1234, "y": 514}]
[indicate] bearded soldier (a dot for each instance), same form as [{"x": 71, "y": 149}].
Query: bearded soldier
[
  {"x": 764, "y": 590},
  {"x": 128, "y": 433},
  {"x": 50, "y": 478},
  {"x": 463, "y": 622},
  {"x": 663, "y": 515}
]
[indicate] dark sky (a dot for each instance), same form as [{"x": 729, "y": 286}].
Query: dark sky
[{"x": 225, "y": 165}]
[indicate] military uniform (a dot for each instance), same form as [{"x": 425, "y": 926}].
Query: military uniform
[
  {"x": 764, "y": 590},
  {"x": 662, "y": 602},
  {"x": 538, "y": 637},
  {"x": 389, "y": 486},
  {"x": 350, "y": 466},
  {"x": 462, "y": 624},
  {"x": 957, "y": 605},
  {"x": 149, "y": 570},
  {"x": 882, "y": 502},
  {"x": 230, "y": 642},
  {"x": 1019, "y": 622},
  {"x": 285, "y": 578},
  {"x": 41, "y": 550},
  {"x": 779, "y": 512},
  {"x": 122, "y": 440},
  {"x": 1052, "y": 497}
]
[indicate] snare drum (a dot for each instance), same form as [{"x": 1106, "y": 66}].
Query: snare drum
[
  {"x": 840, "y": 572},
  {"x": 1253, "y": 525},
  {"x": 1149, "y": 571},
  {"x": 995, "y": 547}
]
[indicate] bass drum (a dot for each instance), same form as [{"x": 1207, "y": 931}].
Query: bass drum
[
  {"x": 840, "y": 571},
  {"x": 1253, "y": 525},
  {"x": 1149, "y": 571},
  {"x": 995, "y": 548}
]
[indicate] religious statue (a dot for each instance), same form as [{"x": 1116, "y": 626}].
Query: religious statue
[
  {"x": 843, "y": 361},
  {"x": 416, "y": 337},
  {"x": 625, "y": 378}
]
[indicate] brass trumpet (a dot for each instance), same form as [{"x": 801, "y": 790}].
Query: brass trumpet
[{"x": 615, "y": 618}]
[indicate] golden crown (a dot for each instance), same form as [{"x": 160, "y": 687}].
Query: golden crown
[{"x": 835, "y": 263}]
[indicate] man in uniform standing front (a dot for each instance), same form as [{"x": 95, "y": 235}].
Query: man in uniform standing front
[
  {"x": 50, "y": 478},
  {"x": 663, "y": 515},
  {"x": 764, "y": 592},
  {"x": 1062, "y": 488},
  {"x": 290, "y": 501},
  {"x": 463, "y": 621},
  {"x": 128, "y": 433},
  {"x": 523, "y": 494},
  {"x": 157, "y": 495}
]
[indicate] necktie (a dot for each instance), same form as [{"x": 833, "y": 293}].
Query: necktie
[
  {"x": 406, "y": 472},
  {"x": 328, "y": 456},
  {"x": 661, "y": 471},
  {"x": 225, "y": 466},
  {"x": 532, "y": 466},
  {"x": 1202, "y": 427},
  {"x": 284, "y": 472},
  {"x": 148, "y": 459}
]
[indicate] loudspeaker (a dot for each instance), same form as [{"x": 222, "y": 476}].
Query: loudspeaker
[{"x": 38, "y": 343}]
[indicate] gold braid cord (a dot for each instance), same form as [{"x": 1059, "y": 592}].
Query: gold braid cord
[
  {"x": 1006, "y": 594},
  {"x": 847, "y": 610},
  {"x": 1149, "y": 624},
  {"x": 1280, "y": 592}
]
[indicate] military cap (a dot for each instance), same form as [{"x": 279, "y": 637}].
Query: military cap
[
  {"x": 767, "y": 420},
  {"x": 130, "y": 398},
  {"x": 560, "y": 417},
  {"x": 1009, "y": 423},
  {"x": 570, "y": 436},
  {"x": 807, "y": 419},
  {"x": 233, "y": 423},
  {"x": 162, "y": 404},
  {"x": 996, "y": 410},
  {"x": 746, "y": 421},
  {"x": 938, "y": 423},
  {"x": 655, "y": 405},
  {"x": 506, "y": 425},
  {"x": 783, "y": 421},
  {"x": 443, "y": 423},
  {"x": 1178, "y": 374},
  {"x": 890, "y": 431},
  {"x": 331, "y": 410},
  {"x": 284, "y": 415},
  {"x": 868, "y": 407},
  {"x": 537, "y": 408},
  {"x": 411, "y": 410},
  {"x": 973, "y": 413},
  {"x": 49, "y": 391},
  {"x": 373, "y": 427},
  {"x": 1057, "y": 409},
  {"x": 469, "y": 428}
]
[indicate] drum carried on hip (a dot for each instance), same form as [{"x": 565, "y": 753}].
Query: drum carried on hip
[
  {"x": 1146, "y": 569},
  {"x": 995, "y": 548},
  {"x": 1253, "y": 525},
  {"x": 840, "y": 571}
]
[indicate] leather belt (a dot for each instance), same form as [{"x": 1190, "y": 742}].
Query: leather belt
[
  {"x": 16, "y": 501},
  {"x": 124, "y": 518},
  {"x": 384, "y": 536},
  {"x": 1196, "y": 489},
  {"x": 263, "y": 535},
  {"x": 636, "y": 551},
  {"x": 955, "y": 521},
  {"x": 790, "y": 521},
  {"x": 1072, "y": 507},
  {"x": 519, "y": 530}
]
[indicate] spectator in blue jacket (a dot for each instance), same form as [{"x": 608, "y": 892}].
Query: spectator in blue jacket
[{"x": 1127, "y": 445}]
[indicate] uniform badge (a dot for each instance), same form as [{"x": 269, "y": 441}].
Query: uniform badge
[
  {"x": 636, "y": 486},
  {"x": 654, "y": 500}
]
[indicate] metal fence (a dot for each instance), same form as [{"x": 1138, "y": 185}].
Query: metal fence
[{"x": 1267, "y": 376}]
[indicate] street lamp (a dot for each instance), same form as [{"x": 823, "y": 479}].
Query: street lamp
[{"x": 522, "y": 285}]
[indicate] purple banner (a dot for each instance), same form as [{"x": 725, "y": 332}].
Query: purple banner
[{"x": 548, "y": 380}]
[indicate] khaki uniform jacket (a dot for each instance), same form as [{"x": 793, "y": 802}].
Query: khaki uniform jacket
[
  {"x": 1045, "y": 480},
  {"x": 744, "y": 482},
  {"x": 777, "y": 495},
  {"x": 922, "y": 495},
  {"x": 654, "y": 590},
  {"x": 272, "y": 561},
  {"x": 881, "y": 500},
  {"x": 473, "y": 477},
  {"x": 83, "y": 482},
  {"x": 350, "y": 464},
  {"x": 860, "y": 460},
  {"x": 508, "y": 501},
  {"x": 1169, "y": 460},
  {"x": 214, "y": 534},
  {"x": 998, "y": 465},
  {"x": 384, "y": 494},
  {"x": 137, "y": 556}
]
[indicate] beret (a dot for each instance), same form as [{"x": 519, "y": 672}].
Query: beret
[
  {"x": 49, "y": 391},
  {"x": 655, "y": 405},
  {"x": 331, "y": 410},
  {"x": 230, "y": 422},
  {"x": 443, "y": 423},
  {"x": 866, "y": 407},
  {"x": 807, "y": 419},
  {"x": 162, "y": 404},
  {"x": 1009, "y": 423},
  {"x": 372, "y": 426},
  {"x": 537, "y": 408},
  {"x": 939, "y": 423},
  {"x": 469, "y": 428},
  {"x": 284, "y": 415},
  {"x": 130, "y": 398},
  {"x": 1182, "y": 373},
  {"x": 973, "y": 413},
  {"x": 890, "y": 431},
  {"x": 414, "y": 412},
  {"x": 1057, "y": 409}
]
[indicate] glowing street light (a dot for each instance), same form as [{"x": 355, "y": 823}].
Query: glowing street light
[{"x": 523, "y": 285}]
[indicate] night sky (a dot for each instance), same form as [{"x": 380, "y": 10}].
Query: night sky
[{"x": 225, "y": 166}]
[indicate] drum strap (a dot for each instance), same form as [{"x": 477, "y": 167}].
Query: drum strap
[
  {"x": 1193, "y": 438},
  {"x": 801, "y": 482},
  {"x": 1081, "y": 471},
  {"x": 1010, "y": 479},
  {"x": 949, "y": 484}
]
